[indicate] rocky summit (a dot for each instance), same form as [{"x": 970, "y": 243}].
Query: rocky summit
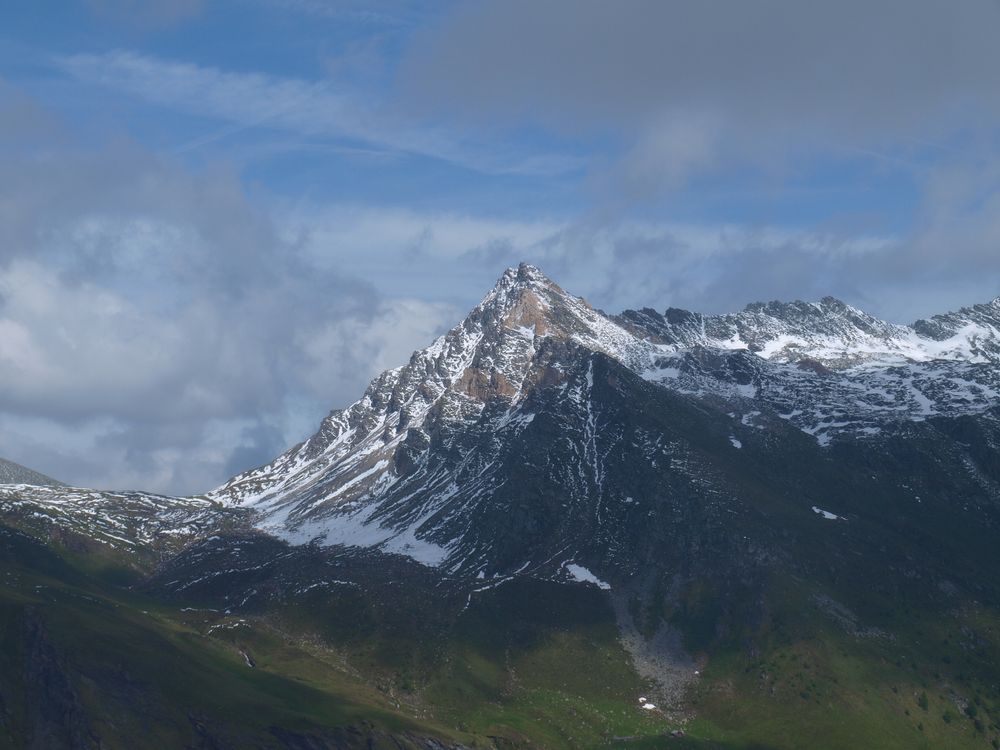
[{"x": 555, "y": 527}]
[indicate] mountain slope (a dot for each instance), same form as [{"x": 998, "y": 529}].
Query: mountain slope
[
  {"x": 132, "y": 522},
  {"x": 84, "y": 664},
  {"x": 12, "y": 473}
]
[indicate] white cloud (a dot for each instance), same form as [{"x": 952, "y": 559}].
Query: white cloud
[
  {"x": 413, "y": 254},
  {"x": 157, "y": 398},
  {"x": 73, "y": 347},
  {"x": 615, "y": 264},
  {"x": 709, "y": 267},
  {"x": 400, "y": 326},
  {"x": 155, "y": 321}
]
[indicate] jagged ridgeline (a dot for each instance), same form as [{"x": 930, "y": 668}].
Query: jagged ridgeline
[{"x": 554, "y": 527}]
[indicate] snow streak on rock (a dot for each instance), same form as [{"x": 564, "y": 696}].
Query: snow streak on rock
[{"x": 124, "y": 520}]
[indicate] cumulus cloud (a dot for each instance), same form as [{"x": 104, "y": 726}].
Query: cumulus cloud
[{"x": 155, "y": 312}]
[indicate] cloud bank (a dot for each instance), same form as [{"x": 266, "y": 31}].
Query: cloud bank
[{"x": 143, "y": 304}]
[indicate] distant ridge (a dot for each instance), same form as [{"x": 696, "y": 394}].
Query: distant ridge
[{"x": 12, "y": 473}]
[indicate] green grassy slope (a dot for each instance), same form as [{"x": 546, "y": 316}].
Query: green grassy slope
[
  {"x": 902, "y": 681},
  {"x": 529, "y": 664},
  {"x": 138, "y": 674},
  {"x": 532, "y": 664}
]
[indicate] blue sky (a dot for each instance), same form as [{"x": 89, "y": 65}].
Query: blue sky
[{"x": 220, "y": 218}]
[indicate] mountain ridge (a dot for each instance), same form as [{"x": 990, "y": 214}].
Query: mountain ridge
[
  {"x": 394, "y": 470},
  {"x": 343, "y": 485}
]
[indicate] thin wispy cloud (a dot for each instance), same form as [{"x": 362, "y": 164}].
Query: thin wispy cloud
[
  {"x": 374, "y": 12},
  {"x": 310, "y": 109}
]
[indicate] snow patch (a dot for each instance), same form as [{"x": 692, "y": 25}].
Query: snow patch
[
  {"x": 827, "y": 514},
  {"x": 581, "y": 574}
]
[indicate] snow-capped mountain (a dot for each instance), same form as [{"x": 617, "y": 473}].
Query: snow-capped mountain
[
  {"x": 365, "y": 477},
  {"x": 830, "y": 368},
  {"x": 830, "y": 332},
  {"x": 538, "y": 432}
]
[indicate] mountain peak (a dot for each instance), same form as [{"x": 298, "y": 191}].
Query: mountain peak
[
  {"x": 525, "y": 273},
  {"x": 525, "y": 300},
  {"x": 520, "y": 281},
  {"x": 492, "y": 354}
]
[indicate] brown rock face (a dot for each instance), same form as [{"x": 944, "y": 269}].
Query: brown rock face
[
  {"x": 528, "y": 312},
  {"x": 483, "y": 386}
]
